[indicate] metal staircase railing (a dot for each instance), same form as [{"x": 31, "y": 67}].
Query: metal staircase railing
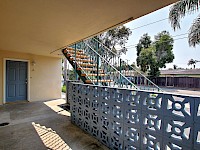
[
  {"x": 97, "y": 64},
  {"x": 135, "y": 76},
  {"x": 110, "y": 72},
  {"x": 93, "y": 68}
]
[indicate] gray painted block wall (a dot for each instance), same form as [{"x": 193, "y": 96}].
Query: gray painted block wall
[{"x": 128, "y": 119}]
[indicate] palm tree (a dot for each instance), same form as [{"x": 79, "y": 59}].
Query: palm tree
[
  {"x": 192, "y": 62},
  {"x": 178, "y": 11}
]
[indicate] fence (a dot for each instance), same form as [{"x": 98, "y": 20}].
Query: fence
[
  {"x": 128, "y": 119},
  {"x": 183, "y": 82}
]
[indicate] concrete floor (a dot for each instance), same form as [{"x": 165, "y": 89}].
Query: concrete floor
[{"x": 41, "y": 126}]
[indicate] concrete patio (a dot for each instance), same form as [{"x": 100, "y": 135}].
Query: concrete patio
[{"x": 42, "y": 125}]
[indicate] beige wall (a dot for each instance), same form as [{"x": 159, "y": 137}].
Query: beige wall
[{"x": 44, "y": 76}]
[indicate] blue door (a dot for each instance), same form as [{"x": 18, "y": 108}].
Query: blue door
[{"x": 16, "y": 81}]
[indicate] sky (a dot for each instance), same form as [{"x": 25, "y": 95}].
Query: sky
[{"x": 181, "y": 49}]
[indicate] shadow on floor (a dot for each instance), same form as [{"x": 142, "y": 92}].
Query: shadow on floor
[{"x": 41, "y": 126}]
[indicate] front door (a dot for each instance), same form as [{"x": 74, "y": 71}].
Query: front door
[{"x": 16, "y": 80}]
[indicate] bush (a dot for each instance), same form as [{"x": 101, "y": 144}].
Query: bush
[{"x": 64, "y": 88}]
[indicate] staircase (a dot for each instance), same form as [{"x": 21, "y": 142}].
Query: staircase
[
  {"x": 96, "y": 64},
  {"x": 86, "y": 67}
]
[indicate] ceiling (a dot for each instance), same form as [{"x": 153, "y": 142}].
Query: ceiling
[{"x": 43, "y": 26}]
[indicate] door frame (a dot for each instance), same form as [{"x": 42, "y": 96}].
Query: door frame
[{"x": 4, "y": 77}]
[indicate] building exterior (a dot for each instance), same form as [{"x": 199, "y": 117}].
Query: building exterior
[
  {"x": 32, "y": 36},
  {"x": 40, "y": 78},
  {"x": 180, "y": 73},
  {"x": 183, "y": 78},
  {"x": 33, "y": 33}
]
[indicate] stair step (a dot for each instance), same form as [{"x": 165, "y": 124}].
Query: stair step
[
  {"x": 83, "y": 74},
  {"x": 89, "y": 69},
  {"x": 100, "y": 81},
  {"x": 77, "y": 52},
  {"x": 87, "y": 65},
  {"x": 77, "y": 56},
  {"x": 72, "y": 49},
  {"x": 80, "y": 60},
  {"x": 69, "y": 48},
  {"x": 73, "y": 52},
  {"x": 101, "y": 74}
]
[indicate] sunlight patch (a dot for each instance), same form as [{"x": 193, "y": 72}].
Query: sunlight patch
[{"x": 50, "y": 138}]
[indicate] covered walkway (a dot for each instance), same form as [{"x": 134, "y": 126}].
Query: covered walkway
[{"x": 42, "y": 125}]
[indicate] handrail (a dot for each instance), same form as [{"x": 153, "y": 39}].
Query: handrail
[
  {"x": 110, "y": 65},
  {"x": 127, "y": 64}
]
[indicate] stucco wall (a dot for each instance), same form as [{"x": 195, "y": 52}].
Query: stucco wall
[{"x": 44, "y": 76}]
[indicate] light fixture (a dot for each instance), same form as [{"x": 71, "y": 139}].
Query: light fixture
[{"x": 33, "y": 63}]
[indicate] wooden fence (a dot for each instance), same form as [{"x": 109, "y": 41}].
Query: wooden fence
[{"x": 183, "y": 82}]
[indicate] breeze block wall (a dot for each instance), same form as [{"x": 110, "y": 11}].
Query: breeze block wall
[{"x": 130, "y": 120}]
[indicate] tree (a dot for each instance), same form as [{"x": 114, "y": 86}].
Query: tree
[
  {"x": 146, "y": 58},
  {"x": 154, "y": 55},
  {"x": 71, "y": 74},
  {"x": 133, "y": 65},
  {"x": 125, "y": 66},
  {"x": 164, "y": 46},
  {"x": 178, "y": 11},
  {"x": 144, "y": 42},
  {"x": 192, "y": 62},
  {"x": 116, "y": 37}
]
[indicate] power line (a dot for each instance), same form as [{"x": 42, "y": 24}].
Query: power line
[
  {"x": 189, "y": 11},
  {"x": 179, "y": 34},
  {"x": 163, "y": 42},
  {"x": 171, "y": 36},
  {"x": 149, "y": 24},
  {"x": 130, "y": 46}
]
